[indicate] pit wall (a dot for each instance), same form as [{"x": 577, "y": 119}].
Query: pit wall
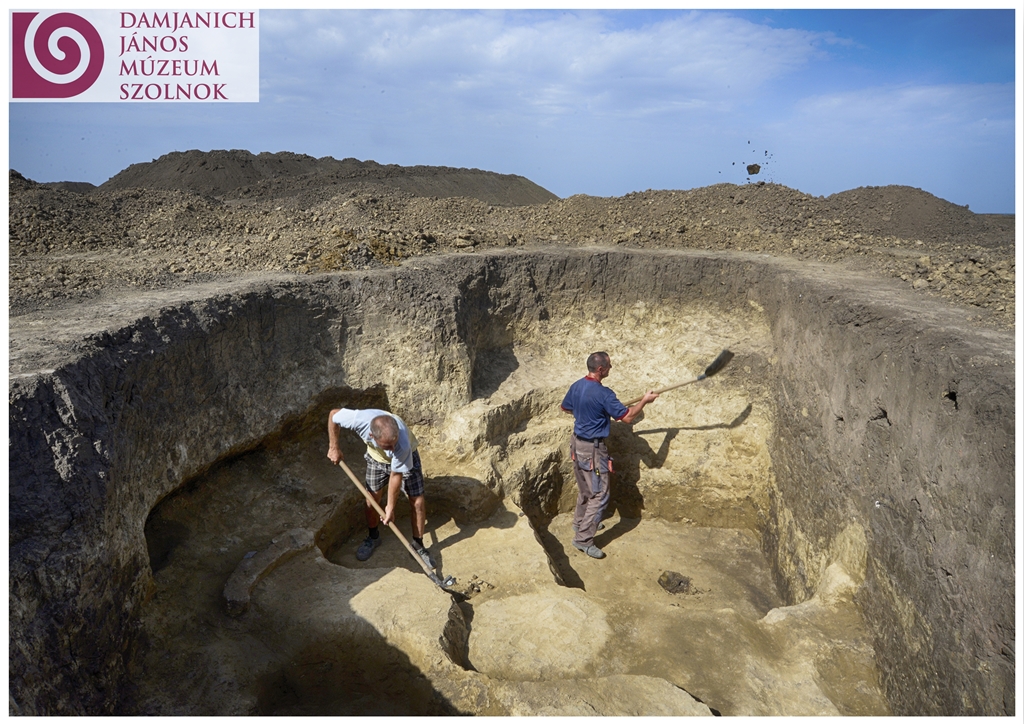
[
  {"x": 96, "y": 443},
  {"x": 895, "y": 430}
]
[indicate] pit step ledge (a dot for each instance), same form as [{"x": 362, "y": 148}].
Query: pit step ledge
[{"x": 256, "y": 565}]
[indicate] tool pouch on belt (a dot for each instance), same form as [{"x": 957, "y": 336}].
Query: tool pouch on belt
[{"x": 586, "y": 462}]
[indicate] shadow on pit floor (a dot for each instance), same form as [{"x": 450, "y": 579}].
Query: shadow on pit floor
[
  {"x": 558, "y": 561},
  {"x": 326, "y": 680}
]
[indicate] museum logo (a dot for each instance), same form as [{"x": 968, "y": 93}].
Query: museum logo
[
  {"x": 130, "y": 56},
  {"x": 53, "y": 56}
]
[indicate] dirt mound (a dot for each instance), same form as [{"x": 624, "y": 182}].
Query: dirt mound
[
  {"x": 43, "y": 218},
  {"x": 906, "y": 212},
  {"x": 18, "y": 183},
  {"x": 78, "y": 187},
  {"x": 291, "y": 212},
  {"x": 240, "y": 174}
]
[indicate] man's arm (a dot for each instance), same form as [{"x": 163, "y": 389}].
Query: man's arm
[
  {"x": 566, "y": 405},
  {"x": 333, "y": 430},
  {"x": 394, "y": 485},
  {"x": 635, "y": 410}
]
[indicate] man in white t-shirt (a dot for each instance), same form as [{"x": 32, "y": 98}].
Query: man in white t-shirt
[{"x": 392, "y": 461}]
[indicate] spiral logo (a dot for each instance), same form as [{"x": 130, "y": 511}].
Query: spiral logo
[{"x": 53, "y": 56}]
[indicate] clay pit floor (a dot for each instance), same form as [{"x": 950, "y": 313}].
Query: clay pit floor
[{"x": 536, "y": 609}]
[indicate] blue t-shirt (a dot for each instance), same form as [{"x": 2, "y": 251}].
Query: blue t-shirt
[{"x": 592, "y": 404}]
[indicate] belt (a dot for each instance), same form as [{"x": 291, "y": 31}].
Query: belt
[{"x": 591, "y": 439}]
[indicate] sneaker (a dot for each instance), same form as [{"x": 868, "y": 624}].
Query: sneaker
[
  {"x": 576, "y": 529},
  {"x": 367, "y": 547},
  {"x": 591, "y": 550},
  {"x": 425, "y": 555}
]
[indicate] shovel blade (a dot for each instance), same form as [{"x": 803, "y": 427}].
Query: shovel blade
[{"x": 719, "y": 362}]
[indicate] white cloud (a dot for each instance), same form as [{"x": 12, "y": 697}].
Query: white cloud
[
  {"x": 546, "y": 63},
  {"x": 908, "y": 111}
]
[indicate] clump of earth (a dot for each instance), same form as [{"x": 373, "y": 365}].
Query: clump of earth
[{"x": 194, "y": 216}]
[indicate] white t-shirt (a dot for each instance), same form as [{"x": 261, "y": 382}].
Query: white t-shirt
[{"x": 359, "y": 422}]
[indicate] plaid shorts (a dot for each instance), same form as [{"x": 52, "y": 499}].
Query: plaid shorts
[{"x": 377, "y": 475}]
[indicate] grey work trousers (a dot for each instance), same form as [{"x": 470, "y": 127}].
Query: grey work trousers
[{"x": 590, "y": 463}]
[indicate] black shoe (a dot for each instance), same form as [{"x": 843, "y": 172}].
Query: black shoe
[
  {"x": 367, "y": 547},
  {"x": 425, "y": 555}
]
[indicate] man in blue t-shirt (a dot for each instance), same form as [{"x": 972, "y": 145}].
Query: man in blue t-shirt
[{"x": 594, "y": 406}]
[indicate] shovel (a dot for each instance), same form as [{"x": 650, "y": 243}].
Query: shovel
[
  {"x": 443, "y": 584},
  {"x": 713, "y": 369}
]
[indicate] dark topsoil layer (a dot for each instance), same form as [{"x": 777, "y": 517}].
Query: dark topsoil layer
[{"x": 196, "y": 216}]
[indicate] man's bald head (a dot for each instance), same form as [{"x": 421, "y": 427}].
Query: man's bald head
[{"x": 384, "y": 430}]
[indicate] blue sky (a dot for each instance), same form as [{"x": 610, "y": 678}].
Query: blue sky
[{"x": 599, "y": 102}]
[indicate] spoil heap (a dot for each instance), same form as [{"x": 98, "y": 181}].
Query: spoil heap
[{"x": 194, "y": 217}]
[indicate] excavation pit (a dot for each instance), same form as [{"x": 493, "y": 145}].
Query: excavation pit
[{"x": 807, "y": 493}]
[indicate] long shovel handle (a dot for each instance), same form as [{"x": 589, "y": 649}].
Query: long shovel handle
[
  {"x": 712, "y": 369},
  {"x": 663, "y": 389},
  {"x": 376, "y": 506}
]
